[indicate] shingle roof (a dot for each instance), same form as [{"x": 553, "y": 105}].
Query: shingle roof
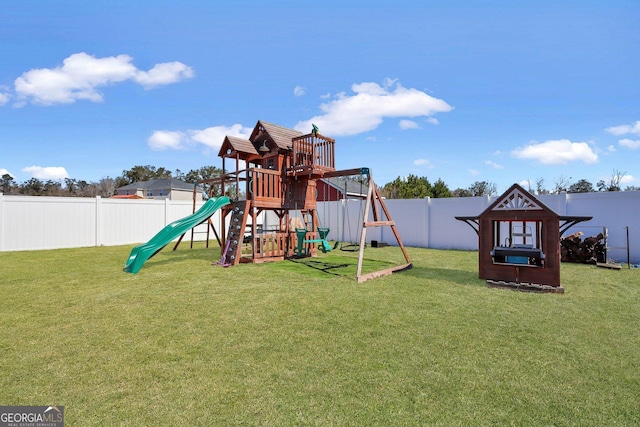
[
  {"x": 241, "y": 145},
  {"x": 280, "y": 135},
  {"x": 263, "y": 133}
]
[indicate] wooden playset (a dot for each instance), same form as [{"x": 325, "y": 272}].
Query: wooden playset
[
  {"x": 519, "y": 242},
  {"x": 278, "y": 169}
]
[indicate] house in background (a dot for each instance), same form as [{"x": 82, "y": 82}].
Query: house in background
[{"x": 172, "y": 189}]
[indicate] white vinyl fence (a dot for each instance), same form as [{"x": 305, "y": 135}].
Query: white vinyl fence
[{"x": 32, "y": 223}]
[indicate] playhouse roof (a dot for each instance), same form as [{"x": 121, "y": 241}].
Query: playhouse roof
[
  {"x": 237, "y": 144},
  {"x": 517, "y": 198},
  {"x": 263, "y": 133},
  {"x": 279, "y": 135}
]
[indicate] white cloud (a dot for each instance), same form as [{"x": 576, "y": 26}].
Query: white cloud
[
  {"x": 165, "y": 139},
  {"x": 557, "y": 152},
  {"x": 49, "y": 172},
  {"x": 525, "y": 183},
  {"x": 164, "y": 74},
  {"x": 423, "y": 162},
  {"x": 370, "y": 105},
  {"x": 408, "y": 124},
  {"x": 628, "y": 180},
  {"x": 81, "y": 75},
  {"x": 214, "y": 136},
  {"x": 611, "y": 148},
  {"x": 629, "y": 143},
  {"x": 474, "y": 172},
  {"x": 299, "y": 91},
  {"x": 211, "y": 137},
  {"x": 4, "y": 96},
  {"x": 388, "y": 82},
  {"x": 433, "y": 120},
  {"x": 5, "y": 172},
  {"x": 493, "y": 164},
  {"x": 625, "y": 129}
]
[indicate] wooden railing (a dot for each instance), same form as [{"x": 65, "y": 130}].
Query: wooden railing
[
  {"x": 265, "y": 187},
  {"x": 313, "y": 152},
  {"x": 270, "y": 245}
]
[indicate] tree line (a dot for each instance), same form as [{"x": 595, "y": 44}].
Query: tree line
[
  {"x": 410, "y": 187},
  {"x": 415, "y": 187},
  {"x": 105, "y": 187}
]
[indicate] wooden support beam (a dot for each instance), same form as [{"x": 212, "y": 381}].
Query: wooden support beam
[
  {"x": 344, "y": 172},
  {"x": 382, "y": 273},
  {"x": 379, "y": 223},
  {"x": 363, "y": 234},
  {"x": 375, "y": 202},
  {"x": 393, "y": 227}
]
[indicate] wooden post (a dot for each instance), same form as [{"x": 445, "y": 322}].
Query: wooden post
[{"x": 373, "y": 198}]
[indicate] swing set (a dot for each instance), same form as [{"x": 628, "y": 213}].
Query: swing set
[
  {"x": 322, "y": 241},
  {"x": 371, "y": 205},
  {"x": 276, "y": 171},
  {"x": 353, "y": 245}
]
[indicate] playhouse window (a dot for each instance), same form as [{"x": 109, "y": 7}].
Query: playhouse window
[{"x": 518, "y": 242}]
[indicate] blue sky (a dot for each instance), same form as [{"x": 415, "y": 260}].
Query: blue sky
[{"x": 465, "y": 91}]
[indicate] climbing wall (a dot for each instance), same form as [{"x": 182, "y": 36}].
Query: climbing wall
[{"x": 237, "y": 224}]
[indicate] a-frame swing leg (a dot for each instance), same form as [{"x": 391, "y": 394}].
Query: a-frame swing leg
[
  {"x": 374, "y": 196},
  {"x": 178, "y": 242}
]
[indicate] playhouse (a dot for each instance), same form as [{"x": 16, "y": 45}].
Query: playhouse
[
  {"x": 277, "y": 170},
  {"x": 519, "y": 242}
]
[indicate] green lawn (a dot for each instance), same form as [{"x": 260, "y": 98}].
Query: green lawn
[{"x": 185, "y": 343}]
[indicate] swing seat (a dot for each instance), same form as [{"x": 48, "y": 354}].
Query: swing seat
[
  {"x": 323, "y": 231},
  {"x": 300, "y": 250},
  {"x": 323, "y": 244}
]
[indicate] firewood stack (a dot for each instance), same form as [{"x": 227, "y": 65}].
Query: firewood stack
[{"x": 589, "y": 250}]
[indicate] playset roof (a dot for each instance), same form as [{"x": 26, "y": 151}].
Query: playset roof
[
  {"x": 279, "y": 135},
  {"x": 264, "y": 133},
  {"x": 237, "y": 144}
]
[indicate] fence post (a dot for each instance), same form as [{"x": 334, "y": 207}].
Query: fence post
[
  {"x": 564, "y": 202},
  {"x": 628, "y": 248},
  {"x": 425, "y": 221},
  {"x": 1, "y": 221},
  {"x": 98, "y": 216},
  {"x": 166, "y": 212}
]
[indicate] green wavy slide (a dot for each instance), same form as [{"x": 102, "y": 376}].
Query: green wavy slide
[{"x": 140, "y": 254}]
